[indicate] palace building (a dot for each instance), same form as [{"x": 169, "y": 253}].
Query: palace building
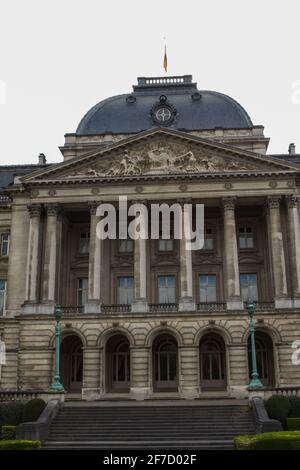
[{"x": 148, "y": 318}]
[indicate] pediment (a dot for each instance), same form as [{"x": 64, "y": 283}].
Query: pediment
[{"x": 161, "y": 152}]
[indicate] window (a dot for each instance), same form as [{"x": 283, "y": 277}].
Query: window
[
  {"x": 166, "y": 290},
  {"x": 84, "y": 243},
  {"x": 166, "y": 245},
  {"x": 246, "y": 239},
  {"x": 126, "y": 246},
  {"x": 208, "y": 239},
  {"x": 125, "y": 290},
  {"x": 5, "y": 244},
  {"x": 208, "y": 287},
  {"x": 2, "y": 295},
  {"x": 249, "y": 287},
  {"x": 82, "y": 291}
]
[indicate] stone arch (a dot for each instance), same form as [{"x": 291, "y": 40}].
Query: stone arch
[
  {"x": 213, "y": 360},
  {"x": 217, "y": 329},
  {"x": 266, "y": 328},
  {"x": 69, "y": 332},
  {"x": 106, "y": 334},
  {"x": 160, "y": 330}
]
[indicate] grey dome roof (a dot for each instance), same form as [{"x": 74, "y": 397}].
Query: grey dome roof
[{"x": 194, "y": 109}]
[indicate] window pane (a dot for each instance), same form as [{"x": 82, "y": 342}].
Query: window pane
[
  {"x": 208, "y": 290},
  {"x": 125, "y": 289},
  {"x": 126, "y": 246},
  {"x": 166, "y": 289},
  {"x": 4, "y": 244},
  {"x": 249, "y": 287},
  {"x": 165, "y": 245},
  {"x": 84, "y": 242}
]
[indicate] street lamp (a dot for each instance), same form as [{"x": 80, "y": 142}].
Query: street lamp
[
  {"x": 56, "y": 384},
  {"x": 255, "y": 381}
]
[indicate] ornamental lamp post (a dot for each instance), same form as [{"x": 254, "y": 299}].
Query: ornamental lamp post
[
  {"x": 255, "y": 381},
  {"x": 56, "y": 384}
]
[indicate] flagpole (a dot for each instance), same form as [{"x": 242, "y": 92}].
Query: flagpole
[{"x": 165, "y": 62}]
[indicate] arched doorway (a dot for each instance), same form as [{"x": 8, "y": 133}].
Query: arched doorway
[
  {"x": 118, "y": 364},
  {"x": 264, "y": 358},
  {"x": 165, "y": 363},
  {"x": 71, "y": 363},
  {"x": 212, "y": 363}
]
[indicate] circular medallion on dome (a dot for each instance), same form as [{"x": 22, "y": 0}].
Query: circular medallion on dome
[{"x": 163, "y": 113}]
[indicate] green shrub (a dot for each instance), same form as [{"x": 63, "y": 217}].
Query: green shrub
[
  {"x": 282, "y": 440},
  {"x": 32, "y": 410},
  {"x": 11, "y": 413},
  {"x": 278, "y": 408},
  {"x": 293, "y": 424},
  {"x": 294, "y": 411},
  {"x": 8, "y": 432},
  {"x": 20, "y": 445}
]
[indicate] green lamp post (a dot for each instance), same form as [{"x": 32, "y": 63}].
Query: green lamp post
[
  {"x": 56, "y": 384},
  {"x": 255, "y": 381}
]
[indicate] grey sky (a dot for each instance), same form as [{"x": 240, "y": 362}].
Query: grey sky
[{"x": 58, "y": 58}]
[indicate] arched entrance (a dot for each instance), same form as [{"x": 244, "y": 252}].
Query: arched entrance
[
  {"x": 264, "y": 357},
  {"x": 71, "y": 363},
  {"x": 165, "y": 363},
  {"x": 118, "y": 364},
  {"x": 212, "y": 363}
]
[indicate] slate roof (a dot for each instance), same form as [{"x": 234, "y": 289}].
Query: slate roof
[
  {"x": 196, "y": 109},
  {"x": 8, "y": 172}
]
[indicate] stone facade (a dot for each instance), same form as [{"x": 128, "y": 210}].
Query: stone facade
[{"x": 48, "y": 210}]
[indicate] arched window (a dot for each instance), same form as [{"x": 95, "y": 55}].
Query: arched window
[
  {"x": 118, "y": 364},
  {"x": 264, "y": 358},
  {"x": 165, "y": 363},
  {"x": 212, "y": 363},
  {"x": 71, "y": 363}
]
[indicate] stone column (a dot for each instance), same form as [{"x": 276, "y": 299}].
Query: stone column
[
  {"x": 50, "y": 257},
  {"x": 186, "y": 301},
  {"x": 94, "y": 294},
  {"x": 277, "y": 253},
  {"x": 140, "y": 303},
  {"x": 189, "y": 372},
  {"x": 139, "y": 373},
  {"x": 294, "y": 245},
  {"x": 231, "y": 259},
  {"x": 32, "y": 270}
]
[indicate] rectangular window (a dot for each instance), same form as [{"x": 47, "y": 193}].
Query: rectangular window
[
  {"x": 166, "y": 290},
  {"x": 2, "y": 295},
  {"x": 126, "y": 246},
  {"x": 84, "y": 243},
  {"x": 82, "y": 291},
  {"x": 208, "y": 287},
  {"x": 166, "y": 245},
  {"x": 125, "y": 290},
  {"x": 246, "y": 238},
  {"x": 208, "y": 239},
  {"x": 249, "y": 287},
  {"x": 5, "y": 237}
]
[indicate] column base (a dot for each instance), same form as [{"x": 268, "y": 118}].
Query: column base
[
  {"x": 186, "y": 304},
  {"x": 139, "y": 306},
  {"x": 44, "y": 308},
  {"x": 284, "y": 303},
  {"x": 93, "y": 306},
  {"x": 139, "y": 393},
  {"x": 235, "y": 304}
]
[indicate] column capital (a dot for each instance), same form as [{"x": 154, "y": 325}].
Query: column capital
[
  {"x": 273, "y": 202},
  {"x": 34, "y": 210},
  {"x": 93, "y": 206},
  {"x": 292, "y": 200},
  {"x": 229, "y": 203},
  {"x": 52, "y": 209}
]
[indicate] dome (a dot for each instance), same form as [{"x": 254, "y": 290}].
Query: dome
[{"x": 164, "y": 101}]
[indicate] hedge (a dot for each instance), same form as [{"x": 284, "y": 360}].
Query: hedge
[
  {"x": 283, "y": 440},
  {"x": 278, "y": 408},
  {"x": 294, "y": 411},
  {"x": 8, "y": 432},
  {"x": 293, "y": 424},
  {"x": 11, "y": 413},
  {"x": 32, "y": 409},
  {"x": 20, "y": 445}
]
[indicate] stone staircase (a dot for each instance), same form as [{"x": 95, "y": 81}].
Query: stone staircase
[{"x": 150, "y": 426}]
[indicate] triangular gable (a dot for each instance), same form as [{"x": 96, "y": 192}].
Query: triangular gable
[{"x": 161, "y": 152}]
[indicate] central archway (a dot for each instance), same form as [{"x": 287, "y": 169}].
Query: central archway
[
  {"x": 165, "y": 363},
  {"x": 212, "y": 362},
  {"x": 264, "y": 358},
  {"x": 71, "y": 363},
  {"x": 118, "y": 364}
]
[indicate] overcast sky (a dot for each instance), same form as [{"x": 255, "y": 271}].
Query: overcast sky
[{"x": 59, "y": 58}]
